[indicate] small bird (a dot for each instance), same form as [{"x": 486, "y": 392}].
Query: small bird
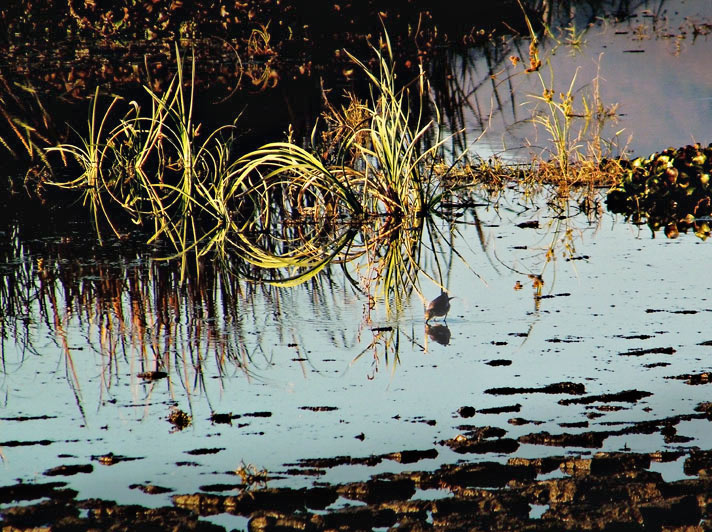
[{"x": 439, "y": 306}]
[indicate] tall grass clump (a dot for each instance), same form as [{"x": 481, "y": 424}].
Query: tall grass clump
[
  {"x": 156, "y": 168},
  {"x": 397, "y": 168},
  {"x": 380, "y": 165},
  {"x": 377, "y": 159},
  {"x": 283, "y": 212},
  {"x": 91, "y": 157},
  {"x": 573, "y": 120}
]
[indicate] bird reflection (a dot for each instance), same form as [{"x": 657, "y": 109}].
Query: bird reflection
[{"x": 438, "y": 333}]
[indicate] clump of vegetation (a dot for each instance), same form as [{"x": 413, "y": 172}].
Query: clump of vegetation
[
  {"x": 193, "y": 192},
  {"x": 252, "y": 476},
  {"x": 670, "y": 189},
  {"x": 576, "y": 148},
  {"x": 364, "y": 187},
  {"x": 179, "y": 419}
]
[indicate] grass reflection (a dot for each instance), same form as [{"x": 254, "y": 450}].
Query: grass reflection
[{"x": 138, "y": 319}]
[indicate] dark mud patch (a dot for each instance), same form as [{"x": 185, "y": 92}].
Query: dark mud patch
[
  {"x": 683, "y": 311},
  {"x": 411, "y": 457},
  {"x": 204, "y": 451},
  {"x": 258, "y": 414},
  {"x": 656, "y": 365},
  {"x": 16, "y": 443},
  {"x": 627, "y": 396},
  {"x": 574, "y": 425},
  {"x": 509, "y": 409},
  {"x": 68, "y": 470},
  {"x": 634, "y": 336},
  {"x": 694, "y": 379},
  {"x": 592, "y": 439},
  {"x": 218, "y": 418},
  {"x": 313, "y": 472},
  {"x": 653, "y": 351},
  {"x": 29, "y": 492},
  {"x": 466, "y": 411},
  {"x": 187, "y": 464},
  {"x": 481, "y": 440},
  {"x": 223, "y": 487},
  {"x": 571, "y": 388},
  {"x": 151, "y": 489},
  {"x": 336, "y": 461},
  {"x": 568, "y": 340},
  {"x": 518, "y": 421},
  {"x": 499, "y": 362},
  {"x": 378, "y": 490},
  {"x": 27, "y": 418}
]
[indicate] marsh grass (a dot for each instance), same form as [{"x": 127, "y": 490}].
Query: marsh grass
[
  {"x": 574, "y": 131},
  {"x": 576, "y": 151},
  {"x": 397, "y": 166},
  {"x": 91, "y": 157},
  {"x": 364, "y": 191},
  {"x": 156, "y": 168},
  {"x": 18, "y": 102}
]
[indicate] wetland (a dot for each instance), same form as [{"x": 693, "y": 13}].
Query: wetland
[{"x": 222, "y": 229}]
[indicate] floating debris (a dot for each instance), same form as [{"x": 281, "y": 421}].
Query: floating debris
[
  {"x": 179, "y": 419},
  {"x": 110, "y": 459},
  {"x": 152, "y": 375}
]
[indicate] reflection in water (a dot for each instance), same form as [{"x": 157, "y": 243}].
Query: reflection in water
[
  {"x": 486, "y": 96},
  {"x": 138, "y": 317},
  {"x": 141, "y": 319},
  {"x": 439, "y": 333}
]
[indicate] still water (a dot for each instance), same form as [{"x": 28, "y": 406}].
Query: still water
[
  {"x": 652, "y": 68},
  {"x": 610, "y": 293}
]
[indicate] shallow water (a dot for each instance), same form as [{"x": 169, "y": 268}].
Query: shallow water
[
  {"x": 652, "y": 67},
  {"x": 625, "y": 291}
]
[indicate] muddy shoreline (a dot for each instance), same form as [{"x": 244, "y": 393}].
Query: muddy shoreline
[{"x": 577, "y": 489}]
